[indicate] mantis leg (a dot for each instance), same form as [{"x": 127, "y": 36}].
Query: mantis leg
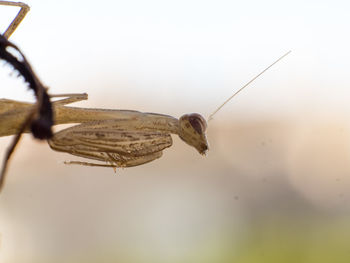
[
  {"x": 18, "y": 19},
  {"x": 71, "y": 98},
  {"x": 90, "y": 164},
  {"x": 114, "y": 163},
  {"x": 13, "y": 113}
]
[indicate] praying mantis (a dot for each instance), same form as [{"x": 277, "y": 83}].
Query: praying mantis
[
  {"x": 122, "y": 138},
  {"x": 117, "y": 138}
]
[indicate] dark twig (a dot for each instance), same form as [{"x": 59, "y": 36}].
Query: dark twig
[{"x": 40, "y": 120}]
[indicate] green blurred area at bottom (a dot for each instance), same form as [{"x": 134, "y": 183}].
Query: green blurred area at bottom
[
  {"x": 271, "y": 240},
  {"x": 293, "y": 240}
]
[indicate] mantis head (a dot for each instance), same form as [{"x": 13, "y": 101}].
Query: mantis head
[
  {"x": 192, "y": 131},
  {"x": 193, "y": 126}
]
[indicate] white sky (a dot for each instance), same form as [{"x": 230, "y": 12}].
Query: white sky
[{"x": 188, "y": 56}]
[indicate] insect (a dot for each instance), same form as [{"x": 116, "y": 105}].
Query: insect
[{"x": 117, "y": 138}]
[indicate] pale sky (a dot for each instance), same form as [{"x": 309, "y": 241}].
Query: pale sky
[{"x": 189, "y": 56}]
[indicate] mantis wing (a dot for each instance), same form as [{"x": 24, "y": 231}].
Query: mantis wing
[{"x": 122, "y": 143}]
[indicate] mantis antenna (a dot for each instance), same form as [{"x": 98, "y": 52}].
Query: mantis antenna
[{"x": 247, "y": 84}]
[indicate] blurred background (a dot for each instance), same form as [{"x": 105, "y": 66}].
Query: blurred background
[{"x": 275, "y": 184}]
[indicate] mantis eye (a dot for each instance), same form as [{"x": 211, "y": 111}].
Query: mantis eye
[{"x": 198, "y": 122}]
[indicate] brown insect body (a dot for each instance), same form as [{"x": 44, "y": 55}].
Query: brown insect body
[
  {"x": 123, "y": 138},
  {"x": 130, "y": 138}
]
